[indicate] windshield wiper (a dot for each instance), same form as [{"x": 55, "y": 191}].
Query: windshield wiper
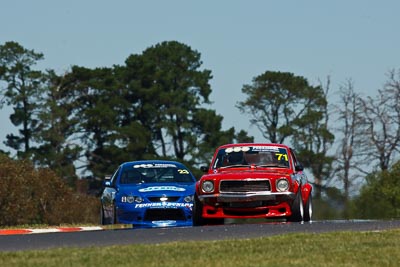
[
  {"x": 272, "y": 165},
  {"x": 233, "y": 166}
]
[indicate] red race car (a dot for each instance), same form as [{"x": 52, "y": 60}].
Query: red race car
[{"x": 252, "y": 180}]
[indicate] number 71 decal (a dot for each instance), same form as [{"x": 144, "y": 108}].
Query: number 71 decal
[{"x": 280, "y": 155}]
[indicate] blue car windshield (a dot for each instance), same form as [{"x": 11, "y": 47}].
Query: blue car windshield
[{"x": 137, "y": 174}]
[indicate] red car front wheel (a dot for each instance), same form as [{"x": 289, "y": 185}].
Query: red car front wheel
[
  {"x": 308, "y": 209},
  {"x": 297, "y": 209}
]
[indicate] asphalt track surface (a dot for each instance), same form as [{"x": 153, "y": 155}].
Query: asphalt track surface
[{"x": 200, "y": 233}]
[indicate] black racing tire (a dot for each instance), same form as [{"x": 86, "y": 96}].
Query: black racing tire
[
  {"x": 102, "y": 220},
  {"x": 297, "y": 209},
  {"x": 197, "y": 217},
  {"x": 114, "y": 217},
  {"x": 308, "y": 209},
  {"x": 108, "y": 220}
]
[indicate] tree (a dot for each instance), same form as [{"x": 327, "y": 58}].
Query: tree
[
  {"x": 381, "y": 122},
  {"x": 349, "y": 160},
  {"x": 56, "y": 148},
  {"x": 313, "y": 139},
  {"x": 278, "y": 102},
  {"x": 107, "y": 130},
  {"x": 380, "y": 197},
  {"x": 210, "y": 136},
  {"x": 170, "y": 91},
  {"x": 155, "y": 106},
  {"x": 31, "y": 195},
  {"x": 284, "y": 106},
  {"x": 23, "y": 90}
]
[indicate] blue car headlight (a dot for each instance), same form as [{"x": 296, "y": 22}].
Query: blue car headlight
[
  {"x": 188, "y": 199},
  {"x": 131, "y": 199}
]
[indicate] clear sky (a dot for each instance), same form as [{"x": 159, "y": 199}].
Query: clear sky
[{"x": 237, "y": 40}]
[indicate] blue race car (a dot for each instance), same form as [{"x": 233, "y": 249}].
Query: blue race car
[{"x": 149, "y": 193}]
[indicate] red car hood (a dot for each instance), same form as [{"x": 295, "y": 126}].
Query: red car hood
[{"x": 248, "y": 174}]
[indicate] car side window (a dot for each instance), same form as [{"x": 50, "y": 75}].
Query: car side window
[
  {"x": 295, "y": 162},
  {"x": 114, "y": 176},
  {"x": 221, "y": 159}
]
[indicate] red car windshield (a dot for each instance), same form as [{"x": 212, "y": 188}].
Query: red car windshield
[{"x": 259, "y": 156}]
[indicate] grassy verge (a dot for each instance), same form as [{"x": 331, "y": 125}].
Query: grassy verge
[{"x": 328, "y": 249}]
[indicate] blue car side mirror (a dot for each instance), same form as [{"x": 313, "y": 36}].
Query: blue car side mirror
[{"x": 107, "y": 181}]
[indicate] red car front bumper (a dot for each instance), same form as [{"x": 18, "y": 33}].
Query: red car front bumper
[{"x": 248, "y": 205}]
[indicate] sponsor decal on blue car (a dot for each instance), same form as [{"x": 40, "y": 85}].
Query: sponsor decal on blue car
[{"x": 162, "y": 188}]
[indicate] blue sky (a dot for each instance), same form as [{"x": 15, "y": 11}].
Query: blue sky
[{"x": 238, "y": 40}]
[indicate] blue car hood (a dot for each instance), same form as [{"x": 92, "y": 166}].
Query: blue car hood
[{"x": 154, "y": 189}]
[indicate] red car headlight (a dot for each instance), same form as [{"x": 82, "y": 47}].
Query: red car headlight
[
  {"x": 282, "y": 185},
  {"x": 207, "y": 186}
]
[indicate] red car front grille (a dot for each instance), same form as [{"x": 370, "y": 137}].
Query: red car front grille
[{"x": 243, "y": 186}]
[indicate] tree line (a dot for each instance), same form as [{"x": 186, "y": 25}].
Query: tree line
[{"x": 156, "y": 105}]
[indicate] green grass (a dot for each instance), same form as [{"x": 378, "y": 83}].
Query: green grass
[{"x": 328, "y": 249}]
